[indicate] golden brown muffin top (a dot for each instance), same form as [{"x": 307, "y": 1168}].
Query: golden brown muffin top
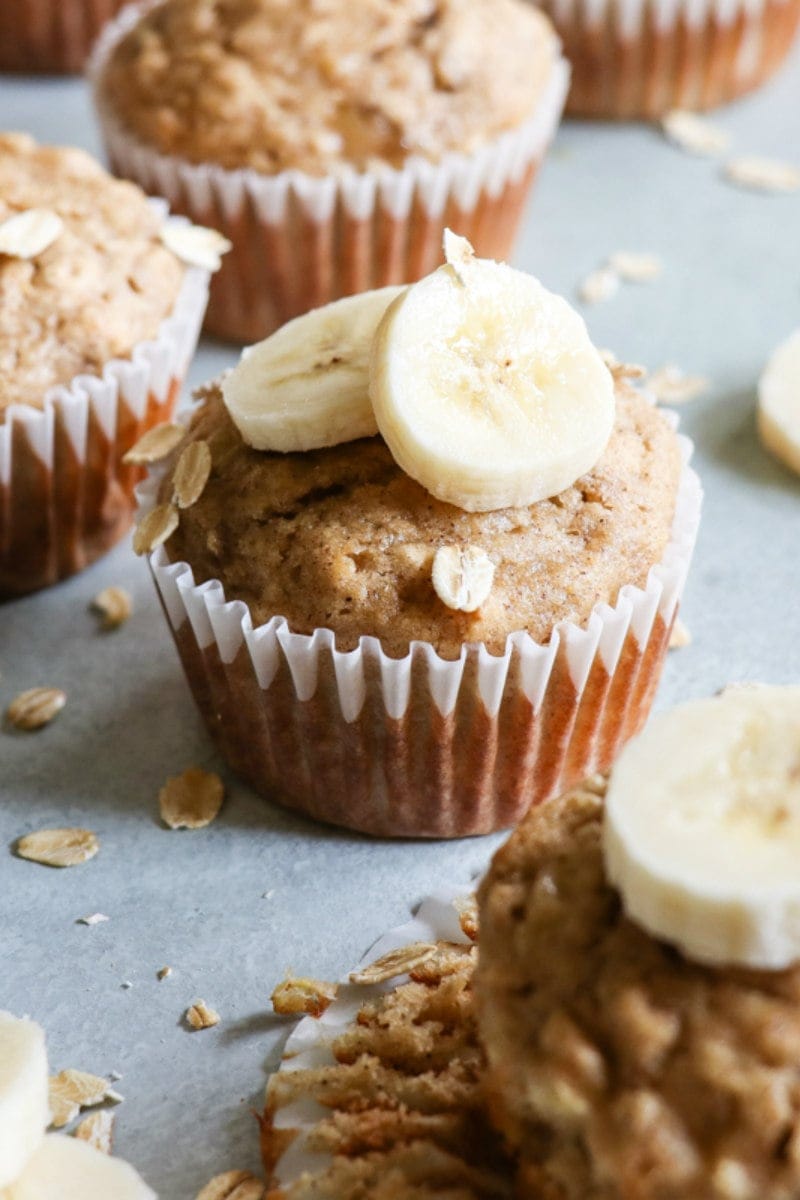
[
  {"x": 618, "y": 1068},
  {"x": 312, "y": 84},
  {"x": 342, "y": 538},
  {"x": 103, "y": 285}
]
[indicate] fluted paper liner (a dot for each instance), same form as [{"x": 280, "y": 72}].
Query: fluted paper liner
[
  {"x": 51, "y": 35},
  {"x": 300, "y": 241},
  {"x": 309, "y": 1044},
  {"x": 420, "y": 746},
  {"x": 641, "y": 58},
  {"x": 65, "y": 495}
]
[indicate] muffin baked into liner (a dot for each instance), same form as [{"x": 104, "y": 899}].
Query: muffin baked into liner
[
  {"x": 65, "y": 495},
  {"x": 384, "y": 1094},
  {"x": 420, "y": 746},
  {"x": 300, "y": 241},
  {"x": 51, "y": 36},
  {"x": 640, "y": 58}
]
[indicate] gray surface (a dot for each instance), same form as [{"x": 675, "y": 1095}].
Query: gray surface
[{"x": 195, "y": 901}]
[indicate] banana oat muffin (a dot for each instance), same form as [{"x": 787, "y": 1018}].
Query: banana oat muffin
[
  {"x": 331, "y": 142},
  {"x": 96, "y": 286},
  {"x": 342, "y": 538},
  {"x": 618, "y": 1069},
  {"x": 104, "y": 284}
]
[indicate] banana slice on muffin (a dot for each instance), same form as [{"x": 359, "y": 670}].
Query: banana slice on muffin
[{"x": 484, "y": 385}]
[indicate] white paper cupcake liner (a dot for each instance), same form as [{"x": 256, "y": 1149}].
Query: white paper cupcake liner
[
  {"x": 641, "y": 58},
  {"x": 309, "y": 1044},
  {"x": 65, "y": 494},
  {"x": 300, "y": 241},
  {"x": 423, "y": 746}
]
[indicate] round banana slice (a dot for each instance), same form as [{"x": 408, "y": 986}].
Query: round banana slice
[
  {"x": 779, "y": 403},
  {"x": 307, "y": 385},
  {"x": 702, "y": 827},
  {"x": 24, "y": 1108},
  {"x": 486, "y": 387},
  {"x": 64, "y": 1168}
]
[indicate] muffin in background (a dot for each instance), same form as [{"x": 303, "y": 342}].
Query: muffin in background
[
  {"x": 330, "y": 143},
  {"x": 641, "y": 59},
  {"x": 51, "y": 36},
  {"x": 98, "y": 322}
]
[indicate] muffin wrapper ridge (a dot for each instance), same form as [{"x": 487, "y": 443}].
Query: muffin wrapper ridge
[
  {"x": 300, "y": 241},
  {"x": 284, "y": 1132},
  {"x": 51, "y": 35},
  {"x": 65, "y": 495},
  {"x": 641, "y": 58},
  {"x": 420, "y": 746}
]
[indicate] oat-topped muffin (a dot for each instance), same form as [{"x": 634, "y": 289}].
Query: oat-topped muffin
[
  {"x": 86, "y": 283},
  {"x": 105, "y": 283},
  {"x": 331, "y": 142},
  {"x": 620, "y": 1066},
  {"x": 316, "y": 83},
  {"x": 342, "y": 538}
]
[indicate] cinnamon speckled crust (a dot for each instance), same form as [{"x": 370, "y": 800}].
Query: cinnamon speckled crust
[
  {"x": 342, "y": 538},
  {"x": 104, "y": 285},
  {"x": 274, "y": 84},
  {"x": 619, "y": 1070}
]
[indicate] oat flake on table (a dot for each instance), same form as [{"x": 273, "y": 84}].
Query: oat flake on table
[
  {"x": 233, "y": 1185},
  {"x": 599, "y": 285},
  {"x": 393, "y": 964},
  {"x": 201, "y": 1016},
  {"x": 191, "y": 800},
  {"x": 35, "y": 708},
  {"x": 58, "y": 847},
  {"x": 693, "y": 133},
  {"x": 762, "y": 174}
]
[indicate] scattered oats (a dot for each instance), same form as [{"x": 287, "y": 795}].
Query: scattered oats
[
  {"x": 467, "y": 909},
  {"x": 114, "y": 1097},
  {"x": 71, "y": 1091},
  {"x": 462, "y": 579},
  {"x": 680, "y": 635},
  {"x": 98, "y": 1130},
  {"x": 309, "y": 996},
  {"x": 233, "y": 1185},
  {"x": 154, "y": 528},
  {"x": 191, "y": 474},
  {"x": 762, "y": 174},
  {"x": 636, "y": 268},
  {"x": 694, "y": 134},
  {"x": 35, "y": 707},
  {"x": 58, "y": 847},
  {"x": 126, "y": 984},
  {"x": 268, "y": 895},
  {"x": 459, "y": 254},
  {"x": 396, "y": 962},
  {"x": 113, "y": 606},
  {"x": 599, "y": 285},
  {"x": 200, "y": 1016},
  {"x": 195, "y": 245},
  {"x": 164, "y": 973},
  {"x": 191, "y": 800},
  {"x": 94, "y": 919},
  {"x": 29, "y": 233},
  {"x": 115, "y": 1076},
  {"x": 156, "y": 445},
  {"x": 669, "y": 385}
]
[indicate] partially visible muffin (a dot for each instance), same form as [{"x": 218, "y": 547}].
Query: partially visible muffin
[
  {"x": 98, "y": 285},
  {"x": 342, "y": 538},
  {"x": 105, "y": 283},
  {"x": 331, "y": 142},
  {"x": 53, "y": 36},
  {"x": 619, "y": 1069}
]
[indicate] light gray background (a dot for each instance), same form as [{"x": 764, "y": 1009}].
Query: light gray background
[{"x": 195, "y": 901}]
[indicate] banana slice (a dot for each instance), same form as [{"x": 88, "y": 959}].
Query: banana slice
[
  {"x": 24, "y": 1109},
  {"x": 486, "y": 387},
  {"x": 779, "y": 403},
  {"x": 307, "y": 385},
  {"x": 702, "y": 828},
  {"x": 64, "y": 1168}
]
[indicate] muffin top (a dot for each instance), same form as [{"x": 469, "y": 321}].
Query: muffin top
[
  {"x": 105, "y": 283},
  {"x": 343, "y": 538},
  {"x": 617, "y": 1067},
  {"x": 312, "y": 84}
]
